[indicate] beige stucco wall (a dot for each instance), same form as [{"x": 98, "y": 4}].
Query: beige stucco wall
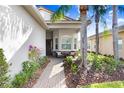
[
  {"x": 106, "y": 44},
  {"x": 18, "y": 30},
  {"x": 121, "y": 52}
]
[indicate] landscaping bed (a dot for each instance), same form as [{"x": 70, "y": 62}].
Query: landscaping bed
[
  {"x": 104, "y": 69},
  {"x": 28, "y": 76},
  {"x": 33, "y": 80},
  {"x": 30, "y": 73}
]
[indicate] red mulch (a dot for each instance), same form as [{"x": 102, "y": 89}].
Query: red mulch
[
  {"x": 73, "y": 81},
  {"x": 36, "y": 76}
]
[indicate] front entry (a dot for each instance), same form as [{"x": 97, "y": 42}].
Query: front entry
[{"x": 49, "y": 47}]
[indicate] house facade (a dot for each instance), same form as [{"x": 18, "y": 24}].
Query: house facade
[
  {"x": 106, "y": 43},
  {"x": 22, "y": 26},
  {"x": 62, "y": 36}
]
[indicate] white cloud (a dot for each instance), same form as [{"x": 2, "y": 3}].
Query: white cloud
[
  {"x": 78, "y": 8},
  {"x": 120, "y": 21},
  {"x": 110, "y": 13},
  {"x": 77, "y": 18},
  {"x": 68, "y": 14}
]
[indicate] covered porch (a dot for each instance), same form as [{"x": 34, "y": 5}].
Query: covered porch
[{"x": 62, "y": 37}]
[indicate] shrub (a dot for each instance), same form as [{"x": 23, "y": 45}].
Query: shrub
[
  {"x": 74, "y": 68},
  {"x": 102, "y": 63},
  {"x": 29, "y": 68},
  {"x": 69, "y": 60},
  {"x": 72, "y": 64},
  {"x": 4, "y": 79},
  {"x": 42, "y": 60},
  {"x": 19, "y": 80}
]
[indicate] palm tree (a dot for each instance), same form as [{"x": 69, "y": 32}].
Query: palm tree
[
  {"x": 115, "y": 10},
  {"x": 98, "y": 12},
  {"x": 59, "y": 14},
  {"x": 83, "y": 33},
  {"x": 115, "y": 32}
]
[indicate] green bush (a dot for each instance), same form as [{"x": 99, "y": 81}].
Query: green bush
[
  {"x": 43, "y": 60},
  {"x": 102, "y": 63},
  {"x": 20, "y": 79},
  {"x": 29, "y": 68},
  {"x": 74, "y": 68},
  {"x": 69, "y": 60},
  {"x": 72, "y": 64},
  {"x": 4, "y": 79}
]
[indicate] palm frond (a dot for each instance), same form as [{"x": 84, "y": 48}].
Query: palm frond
[
  {"x": 101, "y": 10},
  {"x": 106, "y": 32},
  {"x": 60, "y": 13},
  {"x": 103, "y": 21}
]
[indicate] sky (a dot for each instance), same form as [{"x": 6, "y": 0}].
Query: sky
[{"x": 75, "y": 14}]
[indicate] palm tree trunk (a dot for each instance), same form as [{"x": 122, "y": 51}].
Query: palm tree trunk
[
  {"x": 83, "y": 14},
  {"x": 97, "y": 38},
  {"x": 115, "y": 33},
  {"x": 97, "y": 31}
]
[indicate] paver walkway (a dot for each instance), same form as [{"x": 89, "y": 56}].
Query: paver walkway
[{"x": 53, "y": 75}]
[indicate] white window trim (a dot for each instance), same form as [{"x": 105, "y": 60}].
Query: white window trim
[
  {"x": 66, "y": 36},
  {"x": 120, "y": 44}
]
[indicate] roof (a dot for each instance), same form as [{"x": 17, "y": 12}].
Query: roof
[
  {"x": 51, "y": 12},
  {"x": 120, "y": 28},
  {"x": 33, "y": 11}
]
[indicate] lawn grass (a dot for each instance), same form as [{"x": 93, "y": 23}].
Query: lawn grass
[{"x": 114, "y": 84}]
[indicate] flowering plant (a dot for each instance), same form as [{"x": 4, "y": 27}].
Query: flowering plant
[{"x": 34, "y": 53}]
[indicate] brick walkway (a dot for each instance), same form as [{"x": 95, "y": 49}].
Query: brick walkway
[{"x": 53, "y": 75}]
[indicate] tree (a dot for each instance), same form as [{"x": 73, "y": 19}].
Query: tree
[
  {"x": 83, "y": 17},
  {"x": 115, "y": 10},
  {"x": 98, "y": 12},
  {"x": 60, "y": 13},
  {"x": 115, "y": 32}
]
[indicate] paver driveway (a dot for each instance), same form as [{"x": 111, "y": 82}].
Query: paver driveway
[{"x": 53, "y": 75}]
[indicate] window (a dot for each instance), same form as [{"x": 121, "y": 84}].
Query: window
[
  {"x": 66, "y": 43},
  {"x": 75, "y": 43},
  {"x": 120, "y": 42},
  {"x": 56, "y": 43},
  {"x": 89, "y": 46},
  {"x": 94, "y": 47}
]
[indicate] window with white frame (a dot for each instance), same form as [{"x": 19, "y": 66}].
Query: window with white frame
[
  {"x": 75, "y": 43},
  {"x": 120, "y": 42},
  {"x": 66, "y": 43},
  {"x": 56, "y": 43}
]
